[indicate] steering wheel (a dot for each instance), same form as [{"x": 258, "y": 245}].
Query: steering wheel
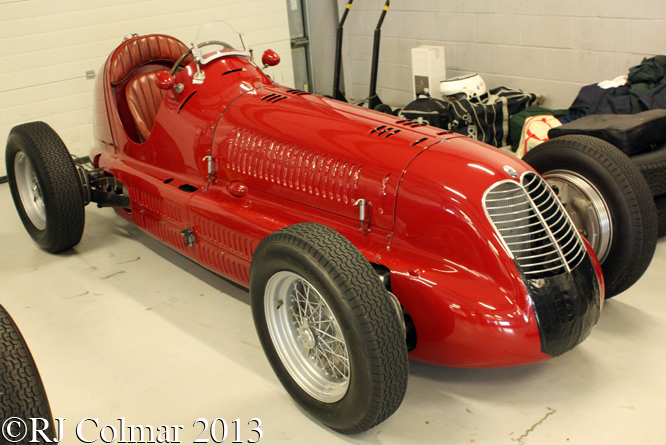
[{"x": 224, "y": 45}]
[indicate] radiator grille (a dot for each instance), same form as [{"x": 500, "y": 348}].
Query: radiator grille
[{"x": 534, "y": 226}]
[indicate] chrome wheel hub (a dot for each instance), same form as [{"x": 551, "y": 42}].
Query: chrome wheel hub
[
  {"x": 586, "y": 207},
  {"x": 307, "y": 336},
  {"x": 30, "y": 190}
]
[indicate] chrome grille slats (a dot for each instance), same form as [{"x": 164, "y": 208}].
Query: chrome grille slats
[
  {"x": 564, "y": 231},
  {"x": 538, "y": 223},
  {"x": 540, "y": 255},
  {"x": 514, "y": 213},
  {"x": 533, "y": 239},
  {"x": 534, "y": 226}
]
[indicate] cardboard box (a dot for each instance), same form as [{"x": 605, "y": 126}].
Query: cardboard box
[{"x": 428, "y": 69}]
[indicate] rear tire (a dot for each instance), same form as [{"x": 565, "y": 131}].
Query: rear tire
[
  {"x": 45, "y": 186},
  {"x": 653, "y": 167},
  {"x": 22, "y": 393},
  {"x": 660, "y": 202},
  {"x": 328, "y": 326},
  {"x": 623, "y": 191}
]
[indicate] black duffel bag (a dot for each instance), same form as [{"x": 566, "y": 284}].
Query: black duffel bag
[
  {"x": 427, "y": 109},
  {"x": 487, "y": 120}
]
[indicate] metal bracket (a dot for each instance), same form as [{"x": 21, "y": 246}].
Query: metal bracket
[
  {"x": 190, "y": 239},
  {"x": 362, "y": 204},
  {"x": 106, "y": 191},
  {"x": 84, "y": 175},
  {"x": 199, "y": 76},
  {"x": 210, "y": 161}
]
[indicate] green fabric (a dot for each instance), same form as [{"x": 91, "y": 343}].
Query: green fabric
[
  {"x": 518, "y": 120},
  {"x": 650, "y": 71},
  {"x": 645, "y": 77}
]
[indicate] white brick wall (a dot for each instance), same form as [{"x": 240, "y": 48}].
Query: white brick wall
[
  {"x": 552, "y": 47},
  {"x": 46, "y": 46}
]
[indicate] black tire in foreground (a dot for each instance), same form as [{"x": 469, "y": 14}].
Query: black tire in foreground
[
  {"x": 608, "y": 199},
  {"x": 22, "y": 394},
  {"x": 329, "y": 328},
  {"x": 653, "y": 167},
  {"x": 45, "y": 186}
]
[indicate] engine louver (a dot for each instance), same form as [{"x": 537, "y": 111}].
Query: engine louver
[
  {"x": 298, "y": 92},
  {"x": 411, "y": 123},
  {"x": 384, "y": 130},
  {"x": 273, "y": 98},
  {"x": 534, "y": 226}
]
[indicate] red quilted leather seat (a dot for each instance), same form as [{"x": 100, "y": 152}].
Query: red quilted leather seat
[
  {"x": 137, "y": 97},
  {"x": 144, "y": 98},
  {"x": 143, "y": 50}
]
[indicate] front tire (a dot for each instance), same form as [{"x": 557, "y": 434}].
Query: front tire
[
  {"x": 45, "y": 186},
  {"x": 329, "y": 328},
  {"x": 608, "y": 199}
]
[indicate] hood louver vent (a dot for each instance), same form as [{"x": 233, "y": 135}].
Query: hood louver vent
[
  {"x": 298, "y": 92},
  {"x": 415, "y": 143},
  {"x": 411, "y": 123},
  {"x": 385, "y": 131},
  {"x": 273, "y": 98},
  {"x": 234, "y": 71}
]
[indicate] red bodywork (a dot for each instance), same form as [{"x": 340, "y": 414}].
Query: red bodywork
[{"x": 283, "y": 156}]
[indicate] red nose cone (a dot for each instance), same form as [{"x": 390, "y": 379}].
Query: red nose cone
[
  {"x": 164, "y": 80},
  {"x": 270, "y": 58}
]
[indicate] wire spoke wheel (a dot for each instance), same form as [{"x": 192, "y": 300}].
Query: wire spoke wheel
[
  {"x": 30, "y": 190},
  {"x": 587, "y": 208},
  {"x": 328, "y": 326},
  {"x": 307, "y": 337}
]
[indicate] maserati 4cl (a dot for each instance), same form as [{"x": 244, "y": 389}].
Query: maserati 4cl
[{"x": 364, "y": 239}]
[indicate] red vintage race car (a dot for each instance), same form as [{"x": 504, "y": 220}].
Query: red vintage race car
[{"x": 364, "y": 239}]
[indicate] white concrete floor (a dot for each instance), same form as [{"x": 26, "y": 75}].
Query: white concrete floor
[{"x": 123, "y": 327}]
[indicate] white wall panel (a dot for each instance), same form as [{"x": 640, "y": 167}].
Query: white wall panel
[{"x": 47, "y": 46}]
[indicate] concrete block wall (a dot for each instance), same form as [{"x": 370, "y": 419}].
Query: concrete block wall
[{"x": 552, "y": 47}]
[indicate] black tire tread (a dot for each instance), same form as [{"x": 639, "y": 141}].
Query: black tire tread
[
  {"x": 653, "y": 167},
  {"x": 637, "y": 194},
  {"x": 660, "y": 202},
  {"x": 368, "y": 298},
  {"x": 22, "y": 393},
  {"x": 62, "y": 184}
]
